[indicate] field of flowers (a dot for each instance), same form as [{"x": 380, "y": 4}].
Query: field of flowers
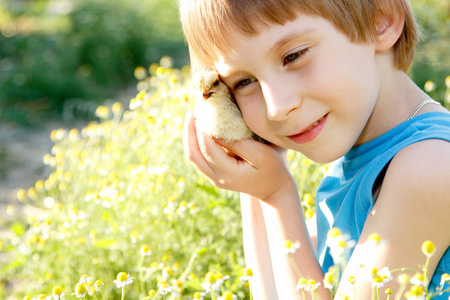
[
  {"x": 124, "y": 215},
  {"x": 122, "y": 198}
]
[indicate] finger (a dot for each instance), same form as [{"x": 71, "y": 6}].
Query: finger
[
  {"x": 191, "y": 146},
  {"x": 252, "y": 151},
  {"x": 213, "y": 152}
]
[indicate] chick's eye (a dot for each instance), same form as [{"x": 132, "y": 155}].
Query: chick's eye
[
  {"x": 216, "y": 83},
  {"x": 294, "y": 56},
  {"x": 244, "y": 82}
]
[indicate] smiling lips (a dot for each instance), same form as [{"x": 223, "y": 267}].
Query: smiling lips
[{"x": 309, "y": 133}]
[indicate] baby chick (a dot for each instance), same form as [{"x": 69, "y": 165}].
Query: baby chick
[{"x": 217, "y": 112}]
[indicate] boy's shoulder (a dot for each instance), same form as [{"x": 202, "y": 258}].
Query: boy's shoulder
[
  {"x": 418, "y": 177},
  {"x": 415, "y": 195}
]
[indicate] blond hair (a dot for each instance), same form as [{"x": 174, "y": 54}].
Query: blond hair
[{"x": 208, "y": 23}]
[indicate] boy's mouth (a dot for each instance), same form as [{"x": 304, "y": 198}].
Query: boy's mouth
[{"x": 309, "y": 133}]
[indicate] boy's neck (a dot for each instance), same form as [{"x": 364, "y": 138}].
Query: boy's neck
[{"x": 398, "y": 97}]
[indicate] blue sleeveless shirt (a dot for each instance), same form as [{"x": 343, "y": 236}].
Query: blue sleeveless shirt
[{"x": 345, "y": 195}]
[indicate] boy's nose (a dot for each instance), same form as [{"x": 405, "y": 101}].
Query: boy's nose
[{"x": 280, "y": 101}]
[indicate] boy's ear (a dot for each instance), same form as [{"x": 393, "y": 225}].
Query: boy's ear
[{"x": 389, "y": 26}]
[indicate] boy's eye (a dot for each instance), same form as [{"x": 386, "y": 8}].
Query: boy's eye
[
  {"x": 293, "y": 56},
  {"x": 244, "y": 82}
]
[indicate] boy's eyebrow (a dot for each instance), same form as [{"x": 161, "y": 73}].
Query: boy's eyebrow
[{"x": 289, "y": 36}]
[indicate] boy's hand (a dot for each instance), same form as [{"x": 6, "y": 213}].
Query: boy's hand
[{"x": 257, "y": 169}]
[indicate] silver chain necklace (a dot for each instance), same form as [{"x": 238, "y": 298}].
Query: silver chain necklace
[{"x": 416, "y": 110}]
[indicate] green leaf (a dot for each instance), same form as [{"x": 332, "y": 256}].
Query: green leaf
[
  {"x": 209, "y": 189},
  {"x": 18, "y": 228}
]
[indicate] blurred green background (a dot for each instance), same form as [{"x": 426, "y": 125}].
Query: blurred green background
[
  {"x": 57, "y": 53},
  {"x": 60, "y": 55}
]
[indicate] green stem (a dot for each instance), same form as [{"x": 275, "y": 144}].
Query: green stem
[
  {"x": 103, "y": 295},
  {"x": 425, "y": 269},
  {"x": 213, "y": 295},
  {"x": 378, "y": 293},
  {"x": 447, "y": 98},
  {"x": 440, "y": 292},
  {"x": 250, "y": 289},
  {"x": 90, "y": 290},
  {"x": 294, "y": 265},
  {"x": 123, "y": 293},
  {"x": 400, "y": 291},
  {"x": 403, "y": 270},
  {"x": 425, "y": 275},
  {"x": 141, "y": 274}
]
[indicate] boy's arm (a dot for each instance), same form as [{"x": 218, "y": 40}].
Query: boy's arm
[
  {"x": 413, "y": 206},
  {"x": 284, "y": 220},
  {"x": 256, "y": 249}
]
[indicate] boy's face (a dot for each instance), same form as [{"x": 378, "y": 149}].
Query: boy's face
[{"x": 303, "y": 85}]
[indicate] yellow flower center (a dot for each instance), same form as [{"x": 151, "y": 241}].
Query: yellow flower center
[
  {"x": 122, "y": 276},
  {"x": 416, "y": 290},
  {"x": 428, "y": 248},
  {"x": 378, "y": 279},
  {"x": 57, "y": 290},
  {"x": 419, "y": 277},
  {"x": 145, "y": 248},
  {"x": 374, "y": 237},
  {"x": 309, "y": 213},
  {"x": 287, "y": 244},
  {"x": 210, "y": 277},
  {"x": 429, "y": 86},
  {"x": 308, "y": 199},
  {"x": 168, "y": 270},
  {"x": 334, "y": 232},
  {"x": 341, "y": 244},
  {"x": 248, "y": 272},
  {"x": 98, "y": 283},
  {"x": 197, "y": 295},
  {"x": 227, "y": 295},
  {"x": 329, "y": 278},
  {"x": 80, "y": 289}
]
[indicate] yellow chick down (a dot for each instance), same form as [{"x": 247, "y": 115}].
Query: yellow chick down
[{"x": 216, "y": 111}]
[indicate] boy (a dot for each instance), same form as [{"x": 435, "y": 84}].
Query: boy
[{"x": 328, "y": 79}]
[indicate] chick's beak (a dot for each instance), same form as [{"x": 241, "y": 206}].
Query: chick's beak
[
  {"x": 206, "y": 95},
  {"x": 203, "y": 88}
]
